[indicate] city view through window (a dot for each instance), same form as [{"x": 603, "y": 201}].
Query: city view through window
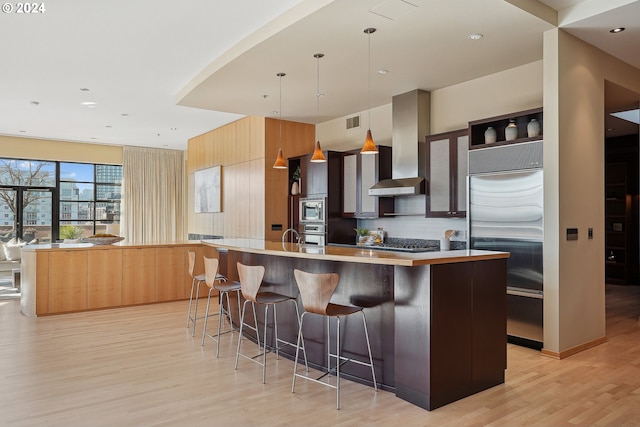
[{"x": 43, "y": 201}]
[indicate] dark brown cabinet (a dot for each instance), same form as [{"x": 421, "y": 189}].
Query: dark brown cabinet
[
  {"x": 359, "y": 173},
  {"x": 446, "y": 186},
  {"x": 322, "y": 181}
]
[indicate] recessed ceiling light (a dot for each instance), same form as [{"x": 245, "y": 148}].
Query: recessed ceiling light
[
  {"x": 274, "y": 113},
  {"x": 476, "y": 36},
  {"x": 382, "y": 72},
  {"x": 108, "y": 126},
  {"x": 36, "y": 103},
  {"x": 23, "y": 131},
  {"x": 617, "y": 30},
  {"x": 89, "y": 104},
  {"x": 174, "y": 129},
  {"x": 124, "y": 114},
  {"x": 84, "y": 89}
]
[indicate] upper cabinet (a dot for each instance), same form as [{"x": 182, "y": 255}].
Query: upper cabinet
[
  {"x": 316, "y": 179},
  {"x": 508, "y": 129},
  {"x": 446, "y": 187},
  {"x": 359, "y": 173}
]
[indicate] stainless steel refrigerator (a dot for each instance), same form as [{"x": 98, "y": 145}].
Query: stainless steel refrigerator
[{"x": 505, "y": 213}]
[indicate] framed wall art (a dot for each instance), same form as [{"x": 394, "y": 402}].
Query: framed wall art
[{"x": 207, "y": 190}]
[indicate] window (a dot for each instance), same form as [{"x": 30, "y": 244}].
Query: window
[
  {"x": 45, "y": 198},
  {"x": 90, "y": 196}
]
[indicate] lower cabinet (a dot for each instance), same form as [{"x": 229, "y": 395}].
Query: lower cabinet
[
  {"x": 138, "y": 276},
  {"x": 170, "y": 273},
  {"x": 104, "y": 278},
  {"x": 67, "y": 281}
]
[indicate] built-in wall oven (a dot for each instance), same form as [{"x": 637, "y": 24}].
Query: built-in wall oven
[
  {"x": 313, "y": 234},
  {"x": 312, "y": 210}
]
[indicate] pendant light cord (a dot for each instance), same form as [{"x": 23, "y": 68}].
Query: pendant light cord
[
  {"x": 369, "y": 74},
  {"x": 369, "y": 31},
  {"x": 281, "y": 75},
  {"x": 318, "y": 56}
]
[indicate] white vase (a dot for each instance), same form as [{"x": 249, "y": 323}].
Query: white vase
[
  {"x": 295, "y": 188},
  {"x": 511, "y": 131},
  {"x": 490, "y": 135},
  {"x": 533, "y": 128}
]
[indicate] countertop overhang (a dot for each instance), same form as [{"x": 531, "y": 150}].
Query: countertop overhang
[{"x": 362, "y": 255}]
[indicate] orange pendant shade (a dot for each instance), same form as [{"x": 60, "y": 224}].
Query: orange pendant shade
[
  {"x": 280, "y": 163},
  {"x": 369, "y": 146},
  {"x": 318, "y": 155}
]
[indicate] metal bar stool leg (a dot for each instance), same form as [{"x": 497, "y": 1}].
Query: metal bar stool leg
[
  {"x": 338, "y": 353},
  {"x": 193, "y": 283},
  {"x": 244, "y": 306},
  {"x": 195, "y": 311},
  {"x": 366, "y": 335},
  {"x": 206, "y": 317}
]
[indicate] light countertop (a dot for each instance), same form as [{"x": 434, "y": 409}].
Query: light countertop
[{"x": 362, "y": 255}]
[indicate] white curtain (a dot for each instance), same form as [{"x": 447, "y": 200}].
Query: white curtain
[{"x": 153, "y": 196}]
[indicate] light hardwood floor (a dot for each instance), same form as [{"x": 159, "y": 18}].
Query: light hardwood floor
[{"x": 139, "y": 366}]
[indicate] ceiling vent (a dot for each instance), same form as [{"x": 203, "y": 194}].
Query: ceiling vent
[{"x": 353, "y": 122}]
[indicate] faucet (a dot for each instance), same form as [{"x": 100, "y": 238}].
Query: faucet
[{"x": 284, "y": 235}]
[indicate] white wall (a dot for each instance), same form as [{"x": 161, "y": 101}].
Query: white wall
[{"x": 574, "y": 99}]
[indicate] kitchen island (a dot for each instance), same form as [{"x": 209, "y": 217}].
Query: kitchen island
[
  {"x": 437, "y": 320},
  {"x": 61, "y": 278}
]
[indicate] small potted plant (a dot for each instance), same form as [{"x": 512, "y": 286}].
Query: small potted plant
[
  {"x": 70, "y": 233},
  {"x": 362, "y": 235}
]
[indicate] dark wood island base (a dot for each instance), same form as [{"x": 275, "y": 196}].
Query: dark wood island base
[{"x": 437, "y": 321}]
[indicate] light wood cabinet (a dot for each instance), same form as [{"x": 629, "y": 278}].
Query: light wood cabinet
[
  {"x": 138, "y": 276},
  {"x": 56, "y": 280},
  {"x": 67, "y": 281},
  {"x": 104, "y": 278},
  {"x": 446, "y": 186},
  {"x": 170, "y": 273}
]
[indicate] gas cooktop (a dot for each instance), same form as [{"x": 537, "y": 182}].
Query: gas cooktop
[{"x": 390, "y": 247}]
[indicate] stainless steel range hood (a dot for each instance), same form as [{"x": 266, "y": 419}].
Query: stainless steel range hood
[
  {"x": 398, "y": 187},
  {"x": 410, "y": 124}
]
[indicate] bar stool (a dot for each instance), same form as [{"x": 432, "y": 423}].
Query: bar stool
[
  {"x": 250, "y": 282},
  {"x": 196, "y": 279},
  {"x": 210, "y": 272},
  {"x": 316, "y": 291}
]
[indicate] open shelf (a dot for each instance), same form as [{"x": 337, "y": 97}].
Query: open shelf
[{"x": 477, "y": 128}]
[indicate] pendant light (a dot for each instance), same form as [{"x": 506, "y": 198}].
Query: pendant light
[
  {"x": 369, "y": 147},
  {"x": 280, "y": 162},
  {"x": 318, "y": 155}
]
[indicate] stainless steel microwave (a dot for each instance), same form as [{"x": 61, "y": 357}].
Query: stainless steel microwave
[{"x": 312, "y": 210}]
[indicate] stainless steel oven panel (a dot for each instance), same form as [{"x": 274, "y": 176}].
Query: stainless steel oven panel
[
  {"x": 313, "y": 239},
  {"x": 311, "y": 227},
  {"x": 312, "y": 210}
]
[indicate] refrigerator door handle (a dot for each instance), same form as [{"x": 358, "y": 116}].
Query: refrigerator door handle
[{"x": 527, "y": 293}]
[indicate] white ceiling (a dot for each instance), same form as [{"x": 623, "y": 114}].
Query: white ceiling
[{"x": 219, "y": 59}]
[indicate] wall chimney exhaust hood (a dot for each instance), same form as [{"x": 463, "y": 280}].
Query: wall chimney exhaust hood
[
  {"x": 410, "y": 124},
  {"x": 398, "y": 187}
]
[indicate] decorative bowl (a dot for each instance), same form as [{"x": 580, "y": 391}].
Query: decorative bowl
[{"x": 98, "y": 241}]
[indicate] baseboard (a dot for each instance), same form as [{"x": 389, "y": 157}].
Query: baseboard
[{"x": 573, "y": 350}]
